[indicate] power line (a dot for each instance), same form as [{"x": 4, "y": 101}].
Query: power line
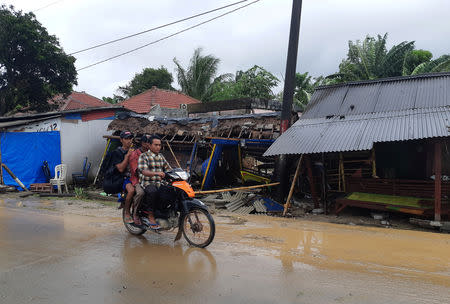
[
  {"x": 50, "y": 4},
  {"x": 166, "y": 37},
  {"x": 156, "y": 28}
]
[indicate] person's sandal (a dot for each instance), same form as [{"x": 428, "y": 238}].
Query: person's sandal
[
  {"x": 137, "y": 220},
  {"x": 155, "y": 226}
]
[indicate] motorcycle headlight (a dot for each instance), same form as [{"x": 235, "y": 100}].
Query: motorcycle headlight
[{"x": 183, "y": 175}]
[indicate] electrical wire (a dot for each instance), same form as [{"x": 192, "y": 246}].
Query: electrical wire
[
  {"x": 50, "y": 4},
  {"x": 166, "y": 37},
  {"x": 156, "y": 28}
]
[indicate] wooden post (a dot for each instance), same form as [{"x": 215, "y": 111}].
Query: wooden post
[
  {"x": 108, "y": 142},
  {"x": 15, "y": 177},
  {"x": 173, "y": 154},
  {"x": 437, "y": 180},
  {"x": 207, "y": 168},
  {"x": 374, "y": 164},
  {"x": 342, "y": 170},
  {"x": 291, "y": 191},
  {"x": 311, "y": 182}
]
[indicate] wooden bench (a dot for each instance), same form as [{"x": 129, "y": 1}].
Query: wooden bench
[{"x": 406, "y": 196}]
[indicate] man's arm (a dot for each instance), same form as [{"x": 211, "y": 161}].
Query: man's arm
[
  {"x": 122, "y": 166},
  {"x": 144, "y": 168}
]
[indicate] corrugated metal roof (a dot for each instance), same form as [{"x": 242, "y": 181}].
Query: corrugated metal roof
[
  {"x": 360, "y": 132},
  {"x": 383, "y": 95},
  {"x": 353, "y": 116}
]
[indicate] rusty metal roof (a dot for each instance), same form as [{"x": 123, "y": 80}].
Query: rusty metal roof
[{"x": 354, "y": 116}]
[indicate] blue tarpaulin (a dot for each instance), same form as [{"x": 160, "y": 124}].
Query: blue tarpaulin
[
  {"x": 25, "y": 152},
  {"x": 214, "y": 157}
]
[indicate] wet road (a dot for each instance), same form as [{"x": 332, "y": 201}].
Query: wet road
[{"x": 48, "y": 258}]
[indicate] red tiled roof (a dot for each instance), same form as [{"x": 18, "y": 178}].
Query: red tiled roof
[
  {"x": 143, "y": 102},
  {"x": 78, "y": 100}
]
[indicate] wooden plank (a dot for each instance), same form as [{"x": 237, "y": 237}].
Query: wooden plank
[
  {"x": 437, "y": 180},
  {"x": 236, "y": 189},
  {"x": 291, "y": 191}
]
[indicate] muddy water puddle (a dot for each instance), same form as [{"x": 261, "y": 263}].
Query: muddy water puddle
[
  {"x": 411, "y": 254},
  {"x": 67, "y": 258}
]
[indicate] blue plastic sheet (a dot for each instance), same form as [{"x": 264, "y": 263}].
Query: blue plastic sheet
[{"x": 25, "y": 152}]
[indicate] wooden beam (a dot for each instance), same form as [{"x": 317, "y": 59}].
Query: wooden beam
[
  {"x": 173, "y": 154},
  {"x": 437, "y": 180},
  {"x": 236, "y": 189},
  {"x": 15, "y": 177},
  {"x": 108, "y": 142},
  {"x": 291, "y": 191}
]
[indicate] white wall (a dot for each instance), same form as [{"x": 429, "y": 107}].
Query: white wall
[
  {"x": 53, "y": 124},
  {"x": 80, "y": 139}
]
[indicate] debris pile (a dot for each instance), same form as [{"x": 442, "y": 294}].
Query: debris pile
[{"x": 242, "y": 203}]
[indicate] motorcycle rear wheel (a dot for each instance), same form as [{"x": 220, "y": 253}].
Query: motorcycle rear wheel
[
  {"x": 134, "y": 230},
  {"x": 198, "y": 227}
]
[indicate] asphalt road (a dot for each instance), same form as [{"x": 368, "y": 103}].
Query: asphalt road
[{"x": 50, "y": 257}]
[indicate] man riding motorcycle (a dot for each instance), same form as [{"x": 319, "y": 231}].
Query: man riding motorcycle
[{"x": 152, "y": 165}]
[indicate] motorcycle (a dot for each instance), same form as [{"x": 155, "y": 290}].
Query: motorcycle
[{"x": 180, "y": 210}]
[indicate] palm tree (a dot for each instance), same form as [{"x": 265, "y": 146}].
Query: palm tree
[
  {"x": 370, "y": 59},
  {"x": 196, "y": 81}
]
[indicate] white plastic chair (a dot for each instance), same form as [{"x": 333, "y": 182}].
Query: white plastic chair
[{"x": 60, "y": 177}]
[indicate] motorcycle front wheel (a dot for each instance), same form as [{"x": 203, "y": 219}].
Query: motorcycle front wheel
[{"x": 198, "y": 227}]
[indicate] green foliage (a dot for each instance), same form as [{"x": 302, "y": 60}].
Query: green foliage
[
  {"x": 33, "y": 66},
  {"x": 256, "y": 82},
  {"x": 304, "y": 88},
  {"x": 198, "y": 79},
  {"x": 114, "y": 100},
  {"x": 145, "y": 80},
  {"x": 414, "y": 59},
  {"x": 80, "y": 193},
  {"x": 441, "y": 64},
  {"x": 370, "y": 59}
]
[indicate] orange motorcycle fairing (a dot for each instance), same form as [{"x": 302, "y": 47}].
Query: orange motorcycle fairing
[{"x": 183, "y": 185}]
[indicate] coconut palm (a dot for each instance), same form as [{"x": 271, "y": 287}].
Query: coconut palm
[
  {"x": 370, "y": 59},
  {"x": 196, "y": 81}
]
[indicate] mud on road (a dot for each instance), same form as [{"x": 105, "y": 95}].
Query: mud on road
[{"x": 70, "y": 251}]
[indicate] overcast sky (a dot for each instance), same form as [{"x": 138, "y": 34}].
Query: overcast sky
[{"x": 257, "y": 34}]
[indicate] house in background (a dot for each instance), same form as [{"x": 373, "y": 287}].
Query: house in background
[
  {"x": 78, "y": 100},
  {"x": 66, "y": 136},
  {"x": 160, "y": 103}
]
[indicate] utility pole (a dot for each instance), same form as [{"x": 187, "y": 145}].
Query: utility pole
[{"x": 288, "y": 94}]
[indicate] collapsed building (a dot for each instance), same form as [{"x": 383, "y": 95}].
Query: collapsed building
[{"x": 218, "y": 150}]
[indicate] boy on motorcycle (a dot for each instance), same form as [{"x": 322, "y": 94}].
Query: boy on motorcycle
[
  {"x": 144, "y": 146},
  {"x": 152, "y": 165}
]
